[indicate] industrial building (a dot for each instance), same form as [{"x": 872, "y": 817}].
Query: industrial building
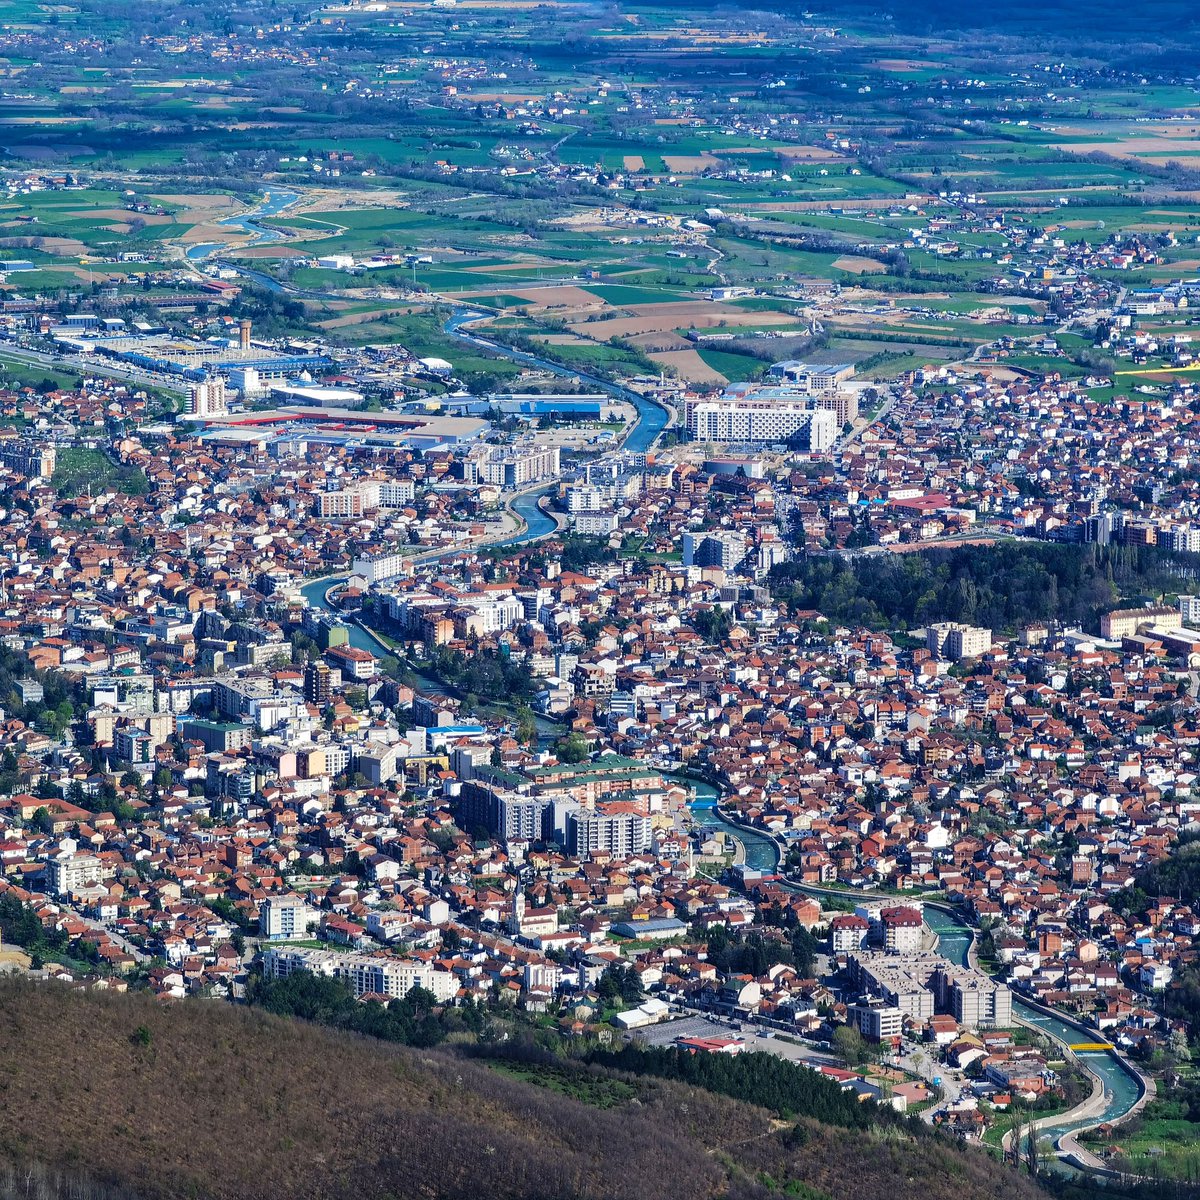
[
  {"x": 812, "y": 377},
  {"x": 194, "y": 360}
]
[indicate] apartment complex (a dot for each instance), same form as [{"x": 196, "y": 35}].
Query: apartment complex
[
  {"x": 949, "y": 639},
  {"x": 365, "y": 974},
  {"x": 724, "y": 549},
  {"x": 755, "y": 419},
  {"x": 919, "y": 985},
  {"x": 35, "y": 462}
]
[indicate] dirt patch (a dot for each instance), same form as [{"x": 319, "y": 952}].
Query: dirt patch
[
  {"x": 1137, "y": 147},
  {"x": 690, "y": 366},
  {"x": 901, "y": 64},
  {"x": 120, "y": 215},
  {"x": 809, "y": 153},
  {"x": 634, "y": 162},
  {"x": 271, "y": 252},
  {"x": 858, "y": 265},
  {"x": 316, "y": 201},
  {"x": 690, "y": 164},
  {"x": 701, "y": 317},
  {"x": 563, "y": 296},
  {"x": 210, "y": 231},
  {"x": 200, "y": 207},
  {"x": 667, "y": 339}
]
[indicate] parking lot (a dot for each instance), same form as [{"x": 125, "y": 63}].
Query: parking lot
[{"x": 697, "y": 1025}]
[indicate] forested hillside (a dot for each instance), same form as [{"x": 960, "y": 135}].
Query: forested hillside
[
  {"x": 1001, "y": 586},
  {"x": 116, "y": 1096}
]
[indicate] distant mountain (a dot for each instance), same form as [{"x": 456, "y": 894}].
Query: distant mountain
[{"x": 1169, "y": 20}]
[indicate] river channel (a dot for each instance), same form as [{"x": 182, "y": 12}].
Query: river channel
[
  {"x": 271, "y": 205},
  {"x": 1121, "y": 1087}
]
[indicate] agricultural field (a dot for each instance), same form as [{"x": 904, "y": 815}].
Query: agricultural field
[{"x": 592, "y": 179}]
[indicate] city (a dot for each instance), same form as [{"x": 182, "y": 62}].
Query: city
[{"x": 670, "y": 594}]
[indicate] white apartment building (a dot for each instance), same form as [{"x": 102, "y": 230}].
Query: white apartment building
[
  {"x": 596, "y": 524},
  {"x": 396, "y": 493},
  {"x": 72, "y": 872},
  {"x": 516, "y": 466},
  {"x": 375, "y": 568},
  {"x": 619, "y": 834},
  {"x": 374, "y": 974},
  {"x": 748, "y": 420},
  {"x": 207, "y": 398},
  {"x": 949, "y": 639},
  {"x": 284, "y": 918},
  {"x": 1189, "y": 609}
]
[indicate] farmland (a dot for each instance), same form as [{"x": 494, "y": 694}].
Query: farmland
[{"x": 595, "y": 200}]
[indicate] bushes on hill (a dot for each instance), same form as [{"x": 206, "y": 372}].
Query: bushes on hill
[{"x": 1000, "y": 586}]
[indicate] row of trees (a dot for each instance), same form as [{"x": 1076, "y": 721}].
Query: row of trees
[
  {"x": 756, "y": 953},
  {"x": 763, "y": 1079},
  {"x": 999, "y": 586},
  {"x": 413, "y": 1020},
  {"x": 484, "y": 674}
]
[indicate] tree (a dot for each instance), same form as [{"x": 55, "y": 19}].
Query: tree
[
  {"x": 571, "y": 749},
  {"x": 42, "y": 821},
  {"x": 849, "y": 1044},
  {"x": 526, "y": 725}
]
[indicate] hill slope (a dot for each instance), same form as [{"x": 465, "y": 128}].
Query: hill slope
[{"x": 200, "y": 1099}]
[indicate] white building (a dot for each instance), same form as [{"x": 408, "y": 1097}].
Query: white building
[
  {"x": 596, "y": 524},
  {"x": 949, "y": 639},
  {"x": 747, "y": 420},
  {"x": 207, "y": 399},
  {"x": 72, "y": 872},
  {"x": 376, "y": 567},
  {"x": 621, "y": 834},
  {"x": 285, "y": 918}
]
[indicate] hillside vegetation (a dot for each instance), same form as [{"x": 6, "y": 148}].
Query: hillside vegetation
[
  {"x": 110, "y": 1095},
  {"x": 1001, "y": 586}
]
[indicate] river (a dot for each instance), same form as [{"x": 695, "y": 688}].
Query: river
[
  {"x": 652, "y": 417},
  {"x": 271, "y": 205},
  {"x": 1121, "y": 1086}
]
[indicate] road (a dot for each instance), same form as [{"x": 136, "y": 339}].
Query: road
[
  {"x": 87, "y": 365},
  {"x": 118, "y": 939}
]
